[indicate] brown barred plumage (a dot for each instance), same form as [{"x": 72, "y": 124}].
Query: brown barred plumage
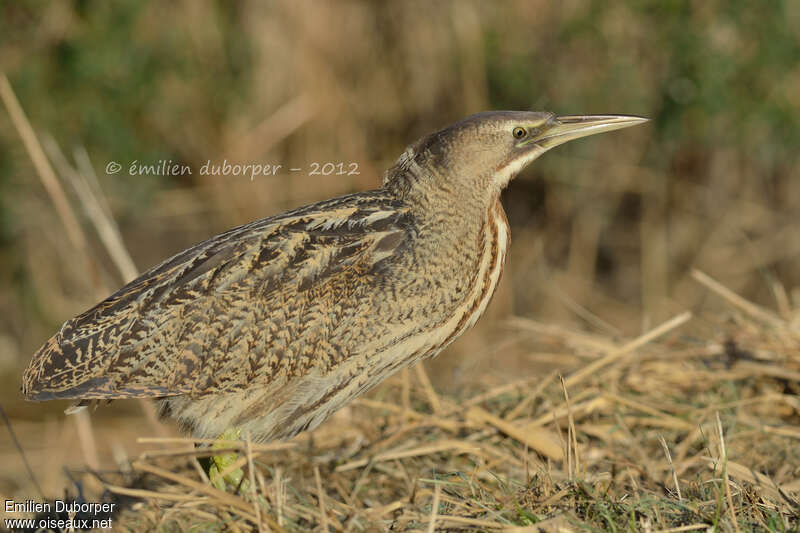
[{"x": 272, "y": 326}]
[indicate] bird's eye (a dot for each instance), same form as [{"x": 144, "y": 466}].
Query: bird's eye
[{"x": 519, "y": 132}]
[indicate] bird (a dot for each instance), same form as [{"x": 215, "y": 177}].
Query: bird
[{"x": 272, "y": 326}]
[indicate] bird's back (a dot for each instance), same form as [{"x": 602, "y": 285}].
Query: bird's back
[{"x": 262, "y": 303}]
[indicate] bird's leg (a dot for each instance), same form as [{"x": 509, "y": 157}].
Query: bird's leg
[{"x": 222, "y": 462}]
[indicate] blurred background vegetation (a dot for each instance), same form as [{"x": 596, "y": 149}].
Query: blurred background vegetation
[{"x": 605, "y": 231}]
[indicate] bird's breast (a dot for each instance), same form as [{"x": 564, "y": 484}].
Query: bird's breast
[
  {"x": 490, "y": 267},
  {"x": 469, "y": 283}
]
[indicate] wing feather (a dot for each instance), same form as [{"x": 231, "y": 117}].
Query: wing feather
[{"x": 254, "y": 305}]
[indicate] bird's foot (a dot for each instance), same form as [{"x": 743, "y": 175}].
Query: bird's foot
[{"x": 219, "y": 472}]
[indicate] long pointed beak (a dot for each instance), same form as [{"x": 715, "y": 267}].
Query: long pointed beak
[{"x": 568, "y": 127}]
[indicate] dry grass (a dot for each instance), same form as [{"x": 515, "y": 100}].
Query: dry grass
[
  {"x": 676, "y": 433},
  {"x": 669, "y": 432}
]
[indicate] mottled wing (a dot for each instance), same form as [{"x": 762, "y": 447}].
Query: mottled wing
[{"x": 254, "y": 305}]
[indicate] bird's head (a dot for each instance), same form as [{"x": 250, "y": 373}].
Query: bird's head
[{"x": 489, "y": 149}]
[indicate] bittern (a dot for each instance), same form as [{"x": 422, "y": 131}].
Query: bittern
[{"x": 272, "y": 326}]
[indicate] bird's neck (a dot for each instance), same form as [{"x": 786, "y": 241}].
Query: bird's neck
[
  {"x": 442, "y": 201},
  {"x": 456, "y": 230},
  {"x": 458, "y": 255},
  {"x": 460, "y": 247}
]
